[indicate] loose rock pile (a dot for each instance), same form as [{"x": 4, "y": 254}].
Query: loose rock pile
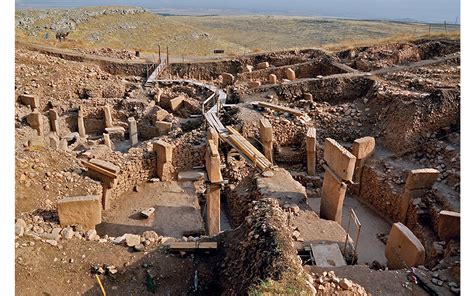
[{"x": 327, "y": 283}]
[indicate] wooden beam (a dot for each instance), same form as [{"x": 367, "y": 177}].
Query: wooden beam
[
  {"x": 281, "y": 108},
  {"x": 192, "y": 246}
]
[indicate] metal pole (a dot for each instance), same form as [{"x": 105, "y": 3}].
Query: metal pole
[
  {"x": 445, "y": 28},
  {"x": 159, "y": 52},
  {"x": 167, "y": 56}
]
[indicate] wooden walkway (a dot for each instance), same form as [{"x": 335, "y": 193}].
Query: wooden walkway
[
  {"x": 210, "y": 109},
  {"x": 156, "y": 73}
]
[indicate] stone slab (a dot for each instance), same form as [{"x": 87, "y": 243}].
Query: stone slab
[
  {"x": 191, "y": 176},
  {"x": 403, "y": 248},
  {"x": 449, "y": 225},
  {"x": 161, "y": 114},
  {"x": 83, "y": 210},
  {"x": 341, "y": 161},
  {"x": 332, "y": 197},
  {"x": 147, "y": 213},
  {"x": 164, "y": 127},
  {"x": 327, "y": 255},
  {"x": 36, "y": 142},
  {"x": 247, "y": 69},
  {"x": 106, "y": 165},
  {"x": 421, "y": 178},
  {"x": 176, "y": 103},
  {"x": 363, "y": 147},
  {"x": 115, "y": 130},
  {"x": 164, "y": 151},
  {"x": 29, "y": 100},
  {"x": 262, "y": 65},
  {"x": 35, "y": 119},
  {"x": 253, "y": 84},
  {"x": 308, "y": 97}
]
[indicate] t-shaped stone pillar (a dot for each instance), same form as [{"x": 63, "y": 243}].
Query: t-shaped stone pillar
[
  {"x": 290, "y": 74},
  {"x": 53, "y": 141},
  {"x": 418, "y": 182},
  {"x": 80, "y": 124},
  {"x": 157, "y": 96},
  {"x": 35, "y": 120},
  {"x": 403, "y": 248},
  {"x": 213, "y": 163},
  {"x": 213, "y": 135},
  {"x": 133, "y": 131},
  {"x": 213, "y": 203},
  {"x": 449, "y": 225},
  {"x": 213, "y": 207},
  {"x": 106, "y": 172},
  {"x": 53, "y": 119},
  {"x": 107, "y": 116},
  {"x": 311, "y": 151},
  {"x": 339, "y": 168},
  {"x": 266, "y": 136},
  {"x": 272, "y": 79},
  {"x": 30, "y": 100},
  {"x": 107, "y": 140},
  {"x": 164, "y": 158},
  {"x": 362, "y": 149}
]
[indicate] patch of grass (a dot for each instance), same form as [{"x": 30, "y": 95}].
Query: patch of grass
[
  {"x": 290, "y": 284},
  {"x": 194, "y": 36}
]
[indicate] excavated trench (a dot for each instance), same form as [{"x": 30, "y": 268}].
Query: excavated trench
[{"x": 267, "y": 221}]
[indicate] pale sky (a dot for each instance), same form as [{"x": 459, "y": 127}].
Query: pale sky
[{"x": 421, "y": 10}]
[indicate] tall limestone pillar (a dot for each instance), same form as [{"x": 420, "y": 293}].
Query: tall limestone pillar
[
  {"x": 213, "y": 203},
  {"x": 311, "y": 151},
  {"x": 266, "y": 135},
  {"x": 339, "y": 169}
]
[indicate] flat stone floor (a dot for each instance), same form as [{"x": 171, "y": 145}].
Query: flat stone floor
[
  {"x": 177, "y": 211},
  {"x": 370, "y": 248}
]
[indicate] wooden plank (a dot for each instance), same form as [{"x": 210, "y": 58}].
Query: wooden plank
[
  {"x": 251, "y": 148},
  {"x": 240, "y": 143},
  {"x": 281, "y": 108},
  {"x": 237, "y": 143},
  {"x": 193, "y": 246}
]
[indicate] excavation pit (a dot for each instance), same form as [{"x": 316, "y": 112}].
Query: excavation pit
[{"x": 177, "y": 211}]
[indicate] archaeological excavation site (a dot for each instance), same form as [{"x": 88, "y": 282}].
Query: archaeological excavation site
[{"x": 298, "y": 172}]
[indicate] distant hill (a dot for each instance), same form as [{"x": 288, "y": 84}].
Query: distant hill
[{"x": 140, "y": 29}]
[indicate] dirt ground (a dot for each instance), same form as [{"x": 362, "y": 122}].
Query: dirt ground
[{"x": 177, "y": 211}]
